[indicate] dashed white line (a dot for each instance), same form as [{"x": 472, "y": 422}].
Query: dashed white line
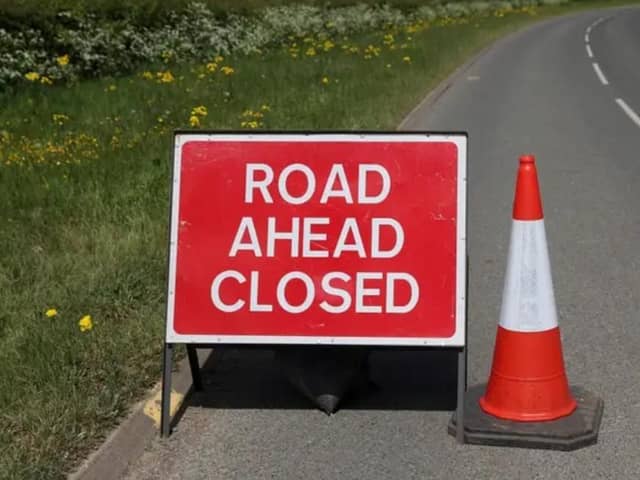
[
  {"x": 586, "y": 38},
  {"x": 601, "y": 76},
  {"x": 628, "y": 110},
  {"x": 589, "y": 52}
]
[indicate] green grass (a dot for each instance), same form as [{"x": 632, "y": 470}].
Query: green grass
[{"x": 88, "y": 236}]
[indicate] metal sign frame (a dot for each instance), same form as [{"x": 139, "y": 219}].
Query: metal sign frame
[{"x": 457, "y": 341}]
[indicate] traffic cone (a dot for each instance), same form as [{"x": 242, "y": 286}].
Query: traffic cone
[{"x": 528, "y": 382}]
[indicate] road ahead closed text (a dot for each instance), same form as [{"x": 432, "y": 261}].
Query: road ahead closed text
[{"x": 315, "y": 239}]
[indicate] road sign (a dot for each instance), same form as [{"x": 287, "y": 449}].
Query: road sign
[{"x": 331, "y": 238}]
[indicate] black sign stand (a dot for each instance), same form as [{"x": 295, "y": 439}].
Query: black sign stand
[
  {"x": 462, "y": 363},
  {"x": 165, "y": 412},
  {"x": 165, "y": 409},
  {"x": 196, "y": 376}
]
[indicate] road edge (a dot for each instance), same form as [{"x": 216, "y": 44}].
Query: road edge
[
  {"x": 434, "y": 95},
  {"x": 129, "y": 439}
]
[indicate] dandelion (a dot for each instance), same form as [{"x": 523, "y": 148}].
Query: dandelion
[
  {"x": 406, "y": 59},
  {"x": 194, "y": 121},
  {"x": 59, "y": 118},
  {"x": 371, "y": 52},
  {"x": 147, "y": 75},
  {"x": 46, "y": 80},
  {"x": 85, "y": 323},
  {"x": 250, "y": 124},
  {"x": 51, "y": 312},
  {"x": 165, "y": 77},
  {"x": 328, "y": 45},
  {"x": 111, "y": 88},
  {"x": 63, "y": 61},
  {"x": 32, "y": 76},
  {"x": 218, "y": 59},
  {"x": 311, "y": 52},
  {"x": 227, "y": 70},
  {"x": 325, "y": 80},
  {"x": 200, "y": 111}
]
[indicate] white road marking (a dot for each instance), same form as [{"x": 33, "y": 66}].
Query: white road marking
[
  {"x": 586, "y": 38},
  {"x": 601, "y": 76},
  {"x": 589, "y": 29},
  {"x": 589, "y": 52},
  {"x": 627, "y": 109}
]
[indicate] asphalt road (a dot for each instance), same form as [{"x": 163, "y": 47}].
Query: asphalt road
[{"x": 536, "y": 92}]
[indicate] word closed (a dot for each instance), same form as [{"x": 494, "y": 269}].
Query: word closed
[{"x": 318, "y": 238}]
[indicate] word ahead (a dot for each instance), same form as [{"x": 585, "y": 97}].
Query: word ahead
[{"x": 320, "y": 238}]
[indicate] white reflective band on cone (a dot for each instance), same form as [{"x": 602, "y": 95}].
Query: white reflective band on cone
[{"x": 528, "y": 303}]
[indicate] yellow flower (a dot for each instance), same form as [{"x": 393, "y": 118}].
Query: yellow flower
[
  {"x": 85, "y": 323},
  {"x": 218, "y": 59},
  {"x": 50, "y": 313},
  {"x": 310, "y": 52},
  {"x": 165, "y": 77},
  {"x": 212, "y": 67},
  {"x": 32, "y": 76},
  {"x": 406, "y": 59},
  {"x": 194, "y": 121},
  {"x": 59, "y": 118},
  {"x": 265, "y": 108},
  {"x": 63, "y": 61},
  {"x": 147, "y": 75},
  {"x": 45, "y": 80},
  {"x": 328, "y": 45},
  {"x": 111, "y": 88},
  {"x": 250, "y": 124},
  {"x": 227, "y": 70},
  {"x": 325, "y": 80},
  {"x": 200, "y": 111}
]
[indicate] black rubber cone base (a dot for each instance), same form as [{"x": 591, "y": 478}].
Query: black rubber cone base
[{"x": 577, "y": 430}]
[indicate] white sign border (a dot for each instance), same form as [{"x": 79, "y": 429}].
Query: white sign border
[{"x": 458, "y": 339}]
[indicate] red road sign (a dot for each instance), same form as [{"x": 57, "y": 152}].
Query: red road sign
[{"x": 318, "y": 238}]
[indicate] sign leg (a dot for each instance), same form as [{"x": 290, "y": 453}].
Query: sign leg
[
  {"x": 165, "y": 412},
  {"x": 462, "y": 388},
  {"x": 194, "y": 365}
]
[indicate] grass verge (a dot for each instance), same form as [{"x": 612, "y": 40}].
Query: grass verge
[{"x": 84, "y": 201}]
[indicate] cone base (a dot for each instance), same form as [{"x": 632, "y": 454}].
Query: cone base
[
  {"x": 528, "y": 381},
  {"x": 574, "y": 431}
]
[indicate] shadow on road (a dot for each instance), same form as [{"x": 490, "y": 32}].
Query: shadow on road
[{"x": 238, "y": 378}]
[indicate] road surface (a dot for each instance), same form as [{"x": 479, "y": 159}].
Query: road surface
[{"x": 567, "y": 90}]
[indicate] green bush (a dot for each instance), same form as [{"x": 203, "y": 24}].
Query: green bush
[{"x": 76, "y": 43}]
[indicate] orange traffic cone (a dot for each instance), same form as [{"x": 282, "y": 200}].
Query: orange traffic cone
[{"x": 528, "y": 382}]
